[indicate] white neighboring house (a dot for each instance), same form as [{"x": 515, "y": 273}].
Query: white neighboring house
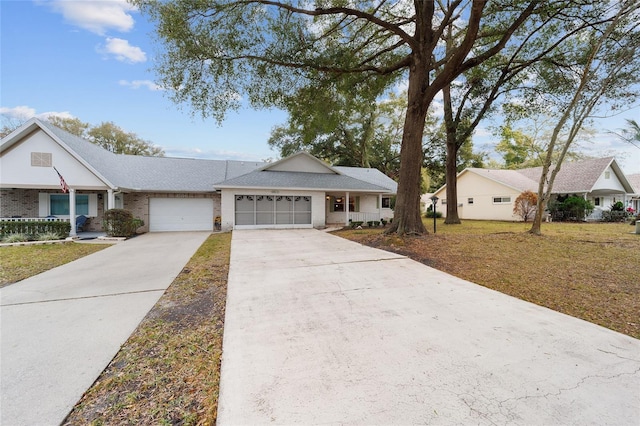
[
  {"x": 490, "y": 194},
  {"x": 634, "y": 201},
  {"x": 176, "y": 194}
]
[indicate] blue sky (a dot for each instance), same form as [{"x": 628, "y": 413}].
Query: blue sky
[{"x": 94, "y": 60}]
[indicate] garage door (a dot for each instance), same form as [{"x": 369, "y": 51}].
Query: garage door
[
  {"x": 268, "y": 211},
  {"x": 180, "y": 214}
]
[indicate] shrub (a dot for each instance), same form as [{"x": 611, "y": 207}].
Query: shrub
[
  {"x": 614, "y": 216},
  {"x": 120, "y": 223},
  {"x": 48, "y": 236},
  {"x": 430, "y": 214},
  {"x": 618, "y": 206},
  {"x": 356, "y": 223},
  {"x": 34, "y": 228},
  {"x": 526, "y": 205},
  {"x": 15, "y": 238},
  {"x": 572, "y": 208}
]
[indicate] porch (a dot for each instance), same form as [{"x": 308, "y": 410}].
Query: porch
[{"x": 360, "y": 207}]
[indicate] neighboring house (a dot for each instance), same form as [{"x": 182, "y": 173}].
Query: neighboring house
[
  {"x": 634, "y": 201},
  {"x": 490, "y": 194},
  {"x": 172, "y": 194}
]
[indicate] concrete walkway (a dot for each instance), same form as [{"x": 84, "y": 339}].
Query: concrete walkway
[
  {"x": 323, "y": 330},
  {"x": 60, "y": 329}
]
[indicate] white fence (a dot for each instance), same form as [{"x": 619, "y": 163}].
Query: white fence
[{"x": 33, "y": 219}]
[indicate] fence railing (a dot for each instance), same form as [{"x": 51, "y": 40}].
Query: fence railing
[
  {"x": 33, "y": 219},
  {"x": 363, "y": 217}
]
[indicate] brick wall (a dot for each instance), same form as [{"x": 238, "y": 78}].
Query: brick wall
[{"x": 24, "y": 202}]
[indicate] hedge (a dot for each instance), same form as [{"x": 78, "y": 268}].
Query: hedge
[{"x": 35, "y": 227}]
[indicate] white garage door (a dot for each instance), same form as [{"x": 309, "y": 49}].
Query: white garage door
[{"x": 180, "y": 214}]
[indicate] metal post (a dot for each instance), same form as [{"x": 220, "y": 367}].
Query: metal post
[{"x": 434, "y": 200}]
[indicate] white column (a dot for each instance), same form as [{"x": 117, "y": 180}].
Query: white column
[
  {"x": 346, "y": 209},
  {"x": 111, "y": 199},
  {"x": 72, "y": 212},
  {"x": 379, "y": 206}
]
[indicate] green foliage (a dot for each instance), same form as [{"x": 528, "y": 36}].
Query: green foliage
[
  {"x": 108, "y": 136},
  {"x": 572, "y": 208},
  {"x": 48, "y": 236},
  {"x": 429, "y": 213},
  {"x": 15, "y": 238},
  {"x": 120, "y": 223},
  {"x": 618, "y": 206},
  {"x": 34, "y": 228}
]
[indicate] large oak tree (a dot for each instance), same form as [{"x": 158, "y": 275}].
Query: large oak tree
[{"x": 217, "y": 51}]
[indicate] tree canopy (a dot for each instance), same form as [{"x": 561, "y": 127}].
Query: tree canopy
[{"x": 217, "y": 52}]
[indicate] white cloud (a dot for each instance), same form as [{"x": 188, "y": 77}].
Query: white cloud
[
  {"x": 123, "y": 51},
  {"x": 96, "y": 16},
  {"x": 211, "y": 154},
  {"x": 136, "y": 84},
  {"x": 24, "y": 113}
]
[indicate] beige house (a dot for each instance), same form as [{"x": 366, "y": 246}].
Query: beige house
[{"x": 488, "y": 194}]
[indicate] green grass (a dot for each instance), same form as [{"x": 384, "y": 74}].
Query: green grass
[{"x": 20, "y": 262}]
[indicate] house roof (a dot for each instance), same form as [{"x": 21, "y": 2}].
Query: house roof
[
  {"x": 170, "y": 174},
  {"x": 300, "y": 180},
  {"x": 634, "y": 180},
  {"x": 574, "y": 177}
]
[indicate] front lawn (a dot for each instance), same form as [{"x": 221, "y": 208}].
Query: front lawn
[
  {"x": 587, "y": 270},
  {"x": 20, "y": 262}
]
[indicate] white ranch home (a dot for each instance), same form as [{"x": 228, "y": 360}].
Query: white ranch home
[
  {"x": 490, "y": 194},
  {"x": 176, "y": 194}
]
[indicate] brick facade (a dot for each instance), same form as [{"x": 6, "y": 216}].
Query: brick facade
[{"x": 24, "y": 203}]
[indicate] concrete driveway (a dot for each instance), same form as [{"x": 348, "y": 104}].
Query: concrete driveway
[
  {"x": 323, "y": 330},
  {"x": 60, "y": 329}
]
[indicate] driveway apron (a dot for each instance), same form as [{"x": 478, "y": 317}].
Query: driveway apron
[
  {"x": 321, "y": 330},
  {"x": 61, "y": 328}
]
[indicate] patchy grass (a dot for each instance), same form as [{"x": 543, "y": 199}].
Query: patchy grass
[
  {"x": 20, "y": 262},
  {"x": 168, "y": 372},
  {"x": 586, "y": 270}
]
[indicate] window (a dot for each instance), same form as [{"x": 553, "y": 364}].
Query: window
[
  {"x": 501, "y": 200},
  {"x": 596, "y": 201},
  {"x": 386, "y": 202},
  {"x": 444, "y": 201},
  {"x": 41, "y": 159},
  {"x": 60, "y": 205},
  {"x": 607, "y": 175},
  {"x": 469, "y": 200},
  {"x": 337, "y": 204}
]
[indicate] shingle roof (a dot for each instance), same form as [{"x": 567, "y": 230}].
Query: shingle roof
[
  {"x": 319, "y": 181},
  {"x": 169, "y": 174},
  {"x": 373, "y": 176},
  {"x": 161, "y": 174},
  {"x": 634, "y": 180},
  {"x": 508, "y": 177},
  {"x": 574, "y": 176}
]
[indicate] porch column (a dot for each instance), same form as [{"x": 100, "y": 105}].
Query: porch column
[
  {"x": 346, "y": 209},
  {"x": 379, "y": 206},
  {"x": 111, "y": 199},
  {"x": 72, "y": 212}
]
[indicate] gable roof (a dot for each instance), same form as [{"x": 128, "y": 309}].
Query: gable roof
[
  {"x": 634, "y": 180},
  {"x": 574, "y": 177},
  {"x": 170, "y": 174}
]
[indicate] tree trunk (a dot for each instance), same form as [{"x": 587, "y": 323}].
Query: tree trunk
[
  {"x": 407, "y": 218},
  {"x": 451, "y": 173},
  {"x": 451, "y": 164}
]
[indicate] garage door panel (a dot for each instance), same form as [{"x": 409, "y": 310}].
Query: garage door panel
[{"x": 180, "y": 214}]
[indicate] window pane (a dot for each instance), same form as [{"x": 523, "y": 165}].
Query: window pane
[{"x": 59, "y": 205}]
